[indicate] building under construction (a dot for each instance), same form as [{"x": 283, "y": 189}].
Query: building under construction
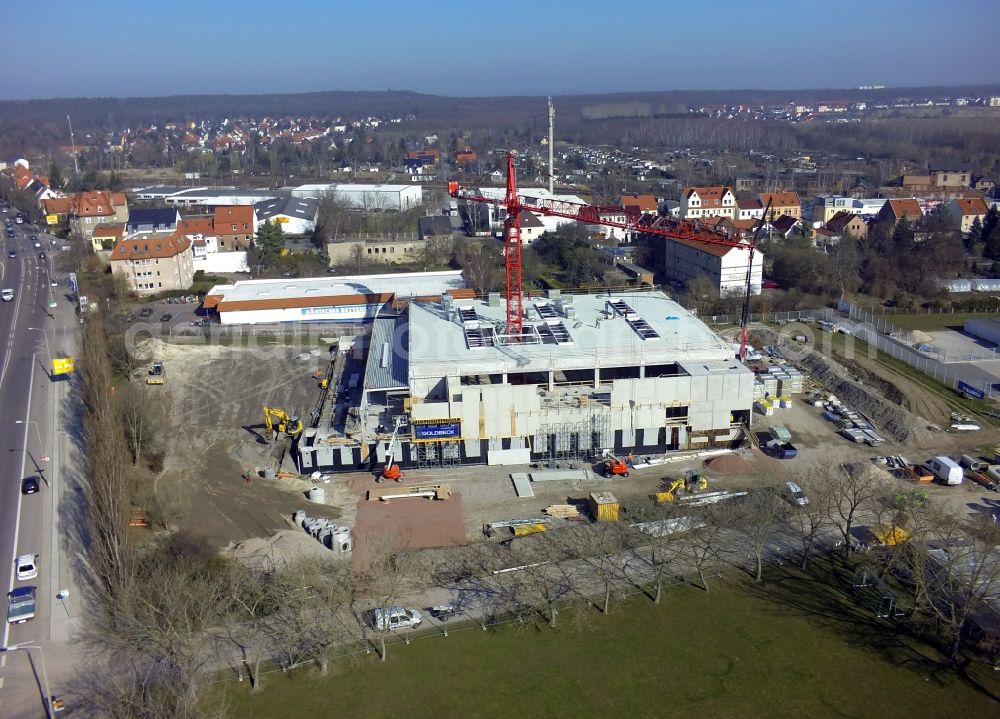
[{"x": 589, "y": 373}]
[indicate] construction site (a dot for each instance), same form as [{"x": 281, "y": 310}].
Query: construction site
[{"x": 436, "y": 415}]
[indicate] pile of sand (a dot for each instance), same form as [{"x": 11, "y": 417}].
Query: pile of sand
[
  {"x": 728, "y": 464},
  {"x": 279, "y": 549}
]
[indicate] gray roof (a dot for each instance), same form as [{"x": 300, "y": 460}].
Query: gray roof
[
  {"x": 303, "y": 208},
  {"x": 387, "y": 364},
  {"x": 434, "y": 225}
]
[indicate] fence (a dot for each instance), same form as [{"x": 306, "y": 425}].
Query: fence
[
  {"x": 791, "y": 316},
  {"x": 897, "y": 343}
]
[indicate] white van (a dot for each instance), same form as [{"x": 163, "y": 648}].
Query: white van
[
  {"x": 945, "y": 469},
  {"x": 7, "y": 295}
]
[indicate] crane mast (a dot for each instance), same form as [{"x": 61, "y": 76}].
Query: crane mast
[{"x": 605, "y": 215}]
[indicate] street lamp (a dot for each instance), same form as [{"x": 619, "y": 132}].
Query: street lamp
[
  {"x": 49, "y": 708},
  {"x": 38, "y": 432}
]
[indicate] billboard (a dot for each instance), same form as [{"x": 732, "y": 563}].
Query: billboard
[
  {"x": 279, "y": 218},
  {"x": 62, "y": 365},
  {"x": 971, "y": 391},
  {"x": 52, "y": 219},
  {"x": 433, "y": 431}
]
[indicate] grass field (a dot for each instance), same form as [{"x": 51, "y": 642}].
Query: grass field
[
  {"x": 931, "y": 322},
  {"x": 793, "y": 648}
]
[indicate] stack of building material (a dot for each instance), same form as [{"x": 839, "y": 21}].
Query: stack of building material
[
  {"x": 563, "y": 511},
  {"x": 764, "y": 407},
  {"x": 794, "y": 381}
]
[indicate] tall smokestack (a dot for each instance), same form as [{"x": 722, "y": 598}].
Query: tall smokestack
[{"x": 552, "y": 142}]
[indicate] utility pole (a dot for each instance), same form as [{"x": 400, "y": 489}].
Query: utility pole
[
  {"x": 552, "y": 142},
  {"x": 72, "y": 144}
]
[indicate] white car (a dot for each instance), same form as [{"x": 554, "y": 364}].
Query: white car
[
  {"x": 26, "y": 567},
  {"x": 793, "y": 493},
  {"x": 395, "y": 618}
]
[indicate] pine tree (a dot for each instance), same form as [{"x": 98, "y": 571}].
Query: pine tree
[
  {"x": 55, "y": 177},
  {"x": 991, "y": 235}
]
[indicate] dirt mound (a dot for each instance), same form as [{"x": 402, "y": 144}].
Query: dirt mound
[
  {"x": 728, "y": 464},
  {"x": 279, "y": 549},
  {"x": 892, "y": 419}
]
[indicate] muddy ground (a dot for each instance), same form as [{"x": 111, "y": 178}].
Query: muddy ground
[{"x": 208, "y": 417}]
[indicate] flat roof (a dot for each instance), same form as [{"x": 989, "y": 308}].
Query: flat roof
[
  {"x": 165, "y": 190},
  {"x": 319, "y": 290},
  {"x": 386, "y": 368},
  {"x": 232, "y": 192},
  {"x": 657, "y": 330}
]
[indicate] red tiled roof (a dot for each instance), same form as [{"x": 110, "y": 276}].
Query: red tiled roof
[
  {"x": 908, "y": 208},
  {"x": 197, "y": 225},
  {"x": 116, "y": 231},
  {"x": 57, "y": 205},
  {"x": 780, "y": 199},
  {"x": 972, "y": 206},
  {"x": 239, "y": 215},
  {"x": 645, "y": 203},
  {"x": 92, "y": 204},
  {"x": 148, "y": 246},
  {"x": 709, "y": 196}
]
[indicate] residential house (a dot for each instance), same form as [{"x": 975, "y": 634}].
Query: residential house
[
  {"x": 786, "y": 226},
  {"x": 644, "y": 204},
  {"x": 825, "y": 238},
  {"x": 847, "y": 223},
  {"x": 749, "y": 209},
  {"x": 463, "y": 157},
  {"x": 154, "y": 262},
  {"x": 532, "y": 227},
  {"x": 90, "y": 209},
  {"x": 57, "y": 210},
  {"x": 895, "y": 211},
  {"x": 235, "y": 226},
  {"x": 938, "y": 181},
  {"x": 782, "y": 203},
  {"x": 105, "y": 237},
  {"x": 160, "y": 219},
  {"x": 715, "y": 201},
  {"x": 963, "y": 211},
  {"x": 826, "y": 206}
]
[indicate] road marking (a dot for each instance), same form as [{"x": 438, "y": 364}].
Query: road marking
[
  {"x": 17, "y": 519},
  {"x": 10, "y": 344}
]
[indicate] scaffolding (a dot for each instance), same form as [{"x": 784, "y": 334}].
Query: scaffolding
[
  {"x": 434, "y": 455},
  {"x": 570, "y": 442}
]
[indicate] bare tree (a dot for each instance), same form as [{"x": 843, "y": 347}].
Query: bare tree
[
  {"x": 133, "y": 409},
  {"x": 956, "y": 576},
  {"x": 809, "y": 522},
  {"x": 392, "y": 560},
  {"x": 545, "y": 578},
  {"x": 855, "y": 487},
  {"x": 699, "y": 547},
  {"x": 654, "y": 540},
  {"x": 757, "y": 519}
]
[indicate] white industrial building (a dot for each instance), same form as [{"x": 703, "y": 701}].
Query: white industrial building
[
  {"x": 631, "y": 372},
  {"x": 351, "y": 298},
  {"x": 296, "y": 215},
  {"x": 496, "y": 214},
  {"x": 174, "y": 196},
  {"x": 368, "y": 198}
]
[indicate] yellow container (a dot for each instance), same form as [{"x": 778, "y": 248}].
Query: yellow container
[
  {"x": 521, "y": 530},
  {"x": 604, "y": 507}
]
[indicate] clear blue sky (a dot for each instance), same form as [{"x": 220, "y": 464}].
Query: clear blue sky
[{"x": 63, "y": 48}]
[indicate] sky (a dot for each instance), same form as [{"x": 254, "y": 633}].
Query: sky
[{"x": 60, "y": 48}]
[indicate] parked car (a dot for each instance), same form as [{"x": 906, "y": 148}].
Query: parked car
[
  {"x": 166, "y": 318},
  {"x": 41, "y": 255},
  {"x": 146, "y": 312},
  {"x": 394, "y": 618},
  {"x": 29, "y": 485},
  {"x": 21, "y": 605},
  {"x": 25, "y": 567},
  {"x": 793, "y": 493}
]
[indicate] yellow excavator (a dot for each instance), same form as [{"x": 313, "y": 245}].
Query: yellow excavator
[
  {"x": 690, "y": 482},
  {"x": 275, "y": 417}
]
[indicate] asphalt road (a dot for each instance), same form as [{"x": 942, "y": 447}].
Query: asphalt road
[{"x": 31, "y": 432}]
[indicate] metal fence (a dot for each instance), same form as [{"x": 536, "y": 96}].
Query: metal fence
[
  {"x": 898, "y": 344},
  {"x": 791, "y": 316}
]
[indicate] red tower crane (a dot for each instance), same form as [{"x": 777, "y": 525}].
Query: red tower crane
[{"x": 596, "y": 215}]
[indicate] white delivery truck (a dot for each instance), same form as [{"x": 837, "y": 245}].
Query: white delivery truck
[{"x": 945, "y": 469}]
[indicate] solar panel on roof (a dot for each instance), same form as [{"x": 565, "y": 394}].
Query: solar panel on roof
[{"x": 545, "y": 310}]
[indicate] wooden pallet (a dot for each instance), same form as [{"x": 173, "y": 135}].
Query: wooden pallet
[{"x": 563, "y": 511}]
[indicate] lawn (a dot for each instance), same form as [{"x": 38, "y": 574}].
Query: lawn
[
  {"x": 936, "y": 321},
  {"x": 792, "y": 649}
]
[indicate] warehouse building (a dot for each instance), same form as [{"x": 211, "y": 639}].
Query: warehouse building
[
  {"x": 631, "y": 372},
  {"x": 367, "y": 198},
  {"x": 351, "y": 298}
]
